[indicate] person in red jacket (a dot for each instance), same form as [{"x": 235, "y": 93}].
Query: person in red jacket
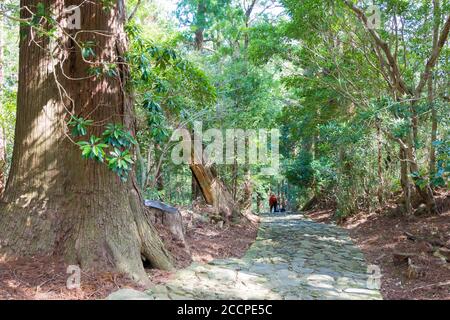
[{"x": 273, "y": 202}]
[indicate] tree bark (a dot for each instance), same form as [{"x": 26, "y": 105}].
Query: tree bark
[
  {"x": 434, "y": 125},
  {"x": 248, "y": 13},
  {"x": 55, "y": 203},
  {"x": 259, "y": 205},
  {"x": 397, "y": 81},
  {"x": 234, "y": 179},
  {"x": 141, "y": 169},
  {"x": 200, "y": 26},
  {"x": 214, "y": 191},
  {"x": 159, "y": 175},
  {"x": 404, "y": 181},
  {"x": 211, "y": 186},
  {"x": 380, "y": 190},
  {"x": 425, "y": 193},
  {"x": 246, "y": 199},
  {"x": 195, "y": 189}
]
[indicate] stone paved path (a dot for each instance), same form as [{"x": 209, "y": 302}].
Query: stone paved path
[{"x": 292, "y": 258}]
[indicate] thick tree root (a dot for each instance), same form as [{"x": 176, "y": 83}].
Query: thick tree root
[{"x": 112, "y": 236}]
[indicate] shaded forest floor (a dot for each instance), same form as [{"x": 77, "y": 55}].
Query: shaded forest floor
[
  {"x": 207, "y": 240},
  {"x": 45, "y": 278},
  {"x": 425, "y": 239},
  {"x": 380, "y": 235}
]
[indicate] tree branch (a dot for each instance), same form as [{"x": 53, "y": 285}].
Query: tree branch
[
  {"x": 433, "y": 58},
  {"x": 133, "y": 13},
  {"x": 398, "y": 140},
  {"x": 397, "y": 79},
  {"x": 249, "y": 10}
]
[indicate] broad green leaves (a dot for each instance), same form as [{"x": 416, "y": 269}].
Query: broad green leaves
[
  {"x": 113, "y": 147},
  {"x": 93, "y": 149},
  {"x": 116, "y": 136},
  {"x": 79, "y": 126},
  {"x": 87, "y": 49},
  {"x": 120, "y": 162}
]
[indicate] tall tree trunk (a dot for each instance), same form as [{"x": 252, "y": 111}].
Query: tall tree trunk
[
  {"x": 55, "y": 203},
  {"x": 159, "y": 175},
  {"x": 247, "y": 187},
  {"x": 425, "y": 192},
  {"x": 141, "y": 169},
  {"x": 434, "y": 125},
  {"x": 259, "y": 204},
  {"x": 404, "y": 181},
  {"x": 151, "y": 161},
  {"x": 380, "y": 190},
  {"x": 195, "y": 188},
  {"x": 248, "y": 13},
  {"x": 245, "y": 202},
  {"x": 234, "y": 179}
]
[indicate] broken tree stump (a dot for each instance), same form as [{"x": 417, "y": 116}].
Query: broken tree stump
[
  {"x": 414, "y": 271},
  {"x": 401, "y": 258},
  {"x": 168, "y": 216}
]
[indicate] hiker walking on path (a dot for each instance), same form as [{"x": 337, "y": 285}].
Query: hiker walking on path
[{"x": 273, "y": 202}]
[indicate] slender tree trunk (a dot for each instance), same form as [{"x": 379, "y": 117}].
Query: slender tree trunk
[
  {"x": 234, "y": 179},
  {"x": 160, "y": 181},
  {"x": 55, "y": 203},
  {"x": 380, "y": 190},
  {"x": 151, "y": 160},
  {"x": 200, "y": 25},
  {"x": 247, "y": 187},
  {"x": 259, "y": 204},
  {"x": 248, "y": 13},
  {"x": 195, "y": 188},
  {"x": 434, "y": 125},
  {"x": 245, "y": 202},
  {"x": 2, "y": 129},
  {"x": 141, "y": 169},
  {"x": 159, "y": 174},
  {"x": 404, "y": 181},
  {"x": 414, "y": 125},
  {"x": 425, "y": 192}
]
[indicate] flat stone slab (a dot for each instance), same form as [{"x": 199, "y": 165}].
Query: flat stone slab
[
  {"x": 292, "y": 258},
  {"x": 160, "y": 206},
  {"x": 129, "y": 294}
]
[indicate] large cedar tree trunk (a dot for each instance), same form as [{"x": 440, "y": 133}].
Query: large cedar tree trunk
[{"x": 55, "y": 203}]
